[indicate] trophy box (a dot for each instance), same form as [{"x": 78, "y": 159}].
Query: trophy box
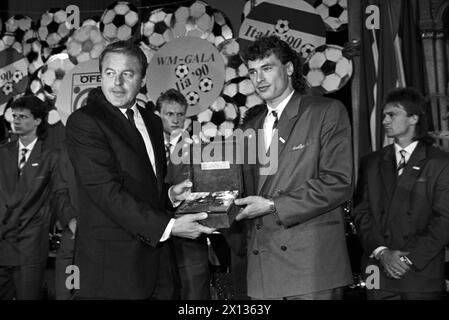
[{"x": 216, "y": 177}]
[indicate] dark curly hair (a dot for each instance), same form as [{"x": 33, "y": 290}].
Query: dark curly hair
[
  {"x": 264, "y": 46},
  {"x": 37, "y": 108}
]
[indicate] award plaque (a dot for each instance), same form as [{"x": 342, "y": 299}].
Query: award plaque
[{"x": 216, "y": 184}]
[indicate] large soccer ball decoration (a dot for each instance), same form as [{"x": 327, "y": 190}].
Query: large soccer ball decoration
[
  {"x": 53, "y": 72},
  {"x": 242, "y": 92},
  {"x": 234, "y": 65},
  {"x": 221, "y": 30},
  {"x": 53, "y": 28},
  {"x": 19, "y": 25},
  {"x": 9, "y": 41},
  {"x": 333, "y": 12},
  {"x": 85, "y": 43},
  {"x": 120, "y": 21},
  {"x": 32, "y": 49},
  {"x": 220, "y": 118},
  {"x": 157, "y": 30},
  {"x": 196, "y": 20},
  {"x": 327, "y": 69}
]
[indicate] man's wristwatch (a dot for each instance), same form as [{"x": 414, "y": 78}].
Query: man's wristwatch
[{"x": 272, "y": 206}]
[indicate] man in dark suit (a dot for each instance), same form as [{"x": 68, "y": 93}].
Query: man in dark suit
[
  {"x": 31, "y": 186},
  {"x": 191, "y": 254},
  {"x": 402, "y": 205},
  {"x": 123, "y": 243},
  {"x": 297, "y": 246}
]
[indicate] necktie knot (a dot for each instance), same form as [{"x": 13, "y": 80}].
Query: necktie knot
[
  {"x": 402, "y": 163},
  {"x": 275, "y": 116},
  {"x": 130, "y": 114}
]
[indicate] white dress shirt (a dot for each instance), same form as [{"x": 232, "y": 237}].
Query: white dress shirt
[{"x": 269, "y": 119}]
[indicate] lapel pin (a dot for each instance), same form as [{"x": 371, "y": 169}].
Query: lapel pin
[
  {"x": 281, "y": 140},
  {"x": 416, "y": 168},
  {"x": 34, "y": 164}
]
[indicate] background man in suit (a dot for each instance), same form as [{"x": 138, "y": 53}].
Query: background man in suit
[
  {"x": 30, "y": 185},
  {"x": 297, "y": 246},
  {"x": 402, "y": 212},
  {"x": 191, "y": 254},
  {"x": 123, "y": 247}
]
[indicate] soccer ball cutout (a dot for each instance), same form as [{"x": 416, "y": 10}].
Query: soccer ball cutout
[
  {"x": 120, "y": 21},
  {"x": 197, "y": 20},
  {"x": 306, "y": 50},
  {"x": 221, "y": 29},
  {"x": 281, "y": 26},
  {"x": 181, "y": 71},
  {"x": 219, "y": 119},
  {"x": 205, "y": 84},
  {"x": 32, "y": 51},
  {"x": 157, "y": 29},
  {"x": 93, "y": 21},
  {"x": 327, "y": 70},
  {"x": 192, "y": 98},
  {"x": 334, "y": 13},
  {"x": 53, "y": 72},
  {"x": 8, "y": 88},
  {"x": 9, "y": 41},
  {"x": 17, "y": 76},
  {"x": 85, "y": 43},
  {"x": 19, "y": 25},
  {"x": 234, "y": 65},
  {"x": 238, "y": 90},
  {"x": 53, "y": 28}
]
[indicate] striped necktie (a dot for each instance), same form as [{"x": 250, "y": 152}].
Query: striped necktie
[
  {"x": 402, "y": 162},
  {"x": 23, "y": 159},
  {"x": 276, "y": 120},
  {"x": 167, "y": 151}
]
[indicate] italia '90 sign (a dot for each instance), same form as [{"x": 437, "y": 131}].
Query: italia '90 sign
[
  {"x": 193, "y": 66},
  {"x": 294, "y": 21}
]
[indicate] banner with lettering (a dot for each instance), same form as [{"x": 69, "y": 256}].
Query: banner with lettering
[
  {"x": 13, "y": 75},
  {"x": 294, "y": 21},
  {"x": 75, "y": 87},
  {"x": 193, "y": 66}
]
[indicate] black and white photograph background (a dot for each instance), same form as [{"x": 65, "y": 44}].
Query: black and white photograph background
[{"x": 352, "y": 51}]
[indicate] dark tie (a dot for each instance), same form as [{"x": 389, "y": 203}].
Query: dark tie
[
  {"x": 402, "y": 162},
  {"x": 23, "y": 160},
  {"x": 130, "y": 115},
  {"x": 276, "y": 120},
  {"x": 167, "y": 152}
]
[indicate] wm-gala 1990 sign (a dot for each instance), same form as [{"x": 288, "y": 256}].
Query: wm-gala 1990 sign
[{"x": 193, "y": 66}]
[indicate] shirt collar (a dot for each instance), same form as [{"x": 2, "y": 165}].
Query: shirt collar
[
  {"x": 134, "y": 108},
  {"x": 28, "y": 147},
  {"x": 281, "y": 106},
  {"x": 409, "y": 149}
]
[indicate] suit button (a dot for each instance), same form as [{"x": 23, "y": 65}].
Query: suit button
[
  {"x": 409, "y": 213},
  {"x": 258, "y": 226},
  {"x": 382, "y": 212},
  {"x": 283, "y": 248},
  {"x": 256, "y": 252},
  {"x": 386, "y": 236}
]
